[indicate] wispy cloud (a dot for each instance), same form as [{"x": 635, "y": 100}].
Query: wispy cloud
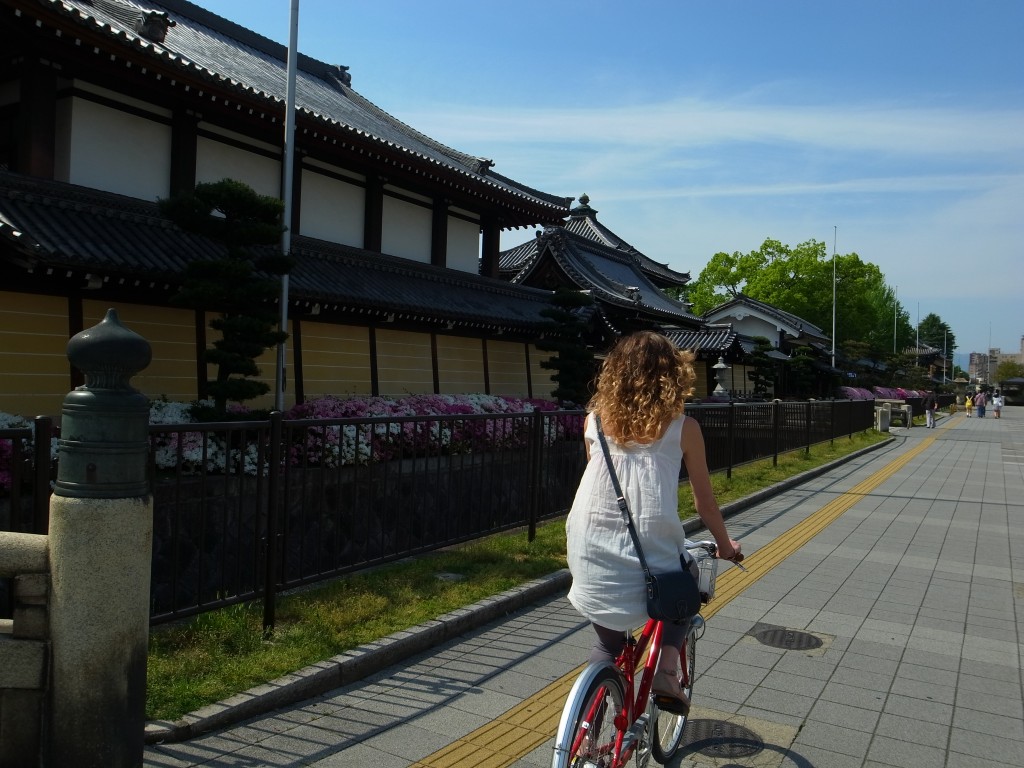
[{"x": 692, "y": 122}]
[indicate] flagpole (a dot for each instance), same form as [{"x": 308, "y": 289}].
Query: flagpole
[
  {"x": 287, "y": 183},
  {"x": 895, "y": 314},
  {"x": 835, "y": 235}
]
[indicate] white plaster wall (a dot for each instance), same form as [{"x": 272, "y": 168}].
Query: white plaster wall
[
  {"x": 332, "y": 210},
  {"x": 216, "y": 160},
  {"x": 101, "y": 147},
  {"x": 754, "y": 326},
  {"x": 463, "y": 245},
  {"x": 407, "y": 230}
]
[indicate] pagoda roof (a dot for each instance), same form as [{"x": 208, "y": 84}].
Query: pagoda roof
[
  {"x": 54, "y": 234},
  {"x": 211, "y": 59},
  {"x": 612, "y": 276},
  {"x": 583, "y": 223}
]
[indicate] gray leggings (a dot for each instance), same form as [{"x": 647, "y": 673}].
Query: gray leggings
[{"x": 610, "y": 641}]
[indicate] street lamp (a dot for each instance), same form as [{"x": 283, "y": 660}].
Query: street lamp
[{"x": 720, "y": 369}]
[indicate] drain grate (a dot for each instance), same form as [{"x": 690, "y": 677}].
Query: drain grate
[
  {"x": 790, "y": 639},
  {"x": 719, "y": 738}
]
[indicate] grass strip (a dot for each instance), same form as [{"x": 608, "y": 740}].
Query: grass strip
[{"x": 223, "y": 652}]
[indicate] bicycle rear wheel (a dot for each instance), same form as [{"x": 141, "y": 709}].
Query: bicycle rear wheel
[
  {"x": 586, "y": 733},
  {"x": 667, "y": 732}
]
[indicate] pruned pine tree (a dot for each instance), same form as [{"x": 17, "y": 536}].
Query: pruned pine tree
[
  {"x": 573, "y": 364},
  {"x": 239, "y": 286},
  {"x": 762, "y": 374}
]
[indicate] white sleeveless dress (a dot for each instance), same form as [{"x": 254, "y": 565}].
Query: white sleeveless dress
[{"x": 608, "y": 584}]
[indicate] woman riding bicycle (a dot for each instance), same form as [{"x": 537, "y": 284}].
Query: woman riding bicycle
[{"x": 641, "y": 391}]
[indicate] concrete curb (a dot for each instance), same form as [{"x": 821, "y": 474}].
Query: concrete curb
[
  {"x": 354, "y": 664},
  {"x": 367, "y": 659}
]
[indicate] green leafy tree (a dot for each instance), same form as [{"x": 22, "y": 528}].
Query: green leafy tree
[
  {"x": 1009, "y": 369},
  {"x": 937, "y": 334},
  {"x": 573, "y": 364},
  {"x": 799, "y": 280},
  {"x": 237, "y": 285},
  {"x": 762, "y": 374}
]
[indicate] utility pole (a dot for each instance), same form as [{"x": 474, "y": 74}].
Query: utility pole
[{"x": 287, "y": 174}]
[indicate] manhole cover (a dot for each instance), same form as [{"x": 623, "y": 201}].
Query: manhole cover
[
  {"x": 719, "y": 738},
  {"x": 790, "y": 639}
]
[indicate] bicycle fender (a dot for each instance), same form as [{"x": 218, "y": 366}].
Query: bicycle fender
[{"x": 568, "y": 716}]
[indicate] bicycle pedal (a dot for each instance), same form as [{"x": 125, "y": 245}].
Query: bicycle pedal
[{"x": 636, "y": 730}]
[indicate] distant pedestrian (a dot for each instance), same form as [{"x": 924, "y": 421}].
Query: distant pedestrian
[
  {"x": 980, "y": 401},
  {"x": 931, "y": 404},
  {"x": 997, "y": 404},
  {"x": 968, "y": 404}
]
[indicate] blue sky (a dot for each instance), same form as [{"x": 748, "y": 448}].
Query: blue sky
[{"x": 893, "y": 129}]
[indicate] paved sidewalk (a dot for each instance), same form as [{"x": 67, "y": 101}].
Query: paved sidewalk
[{"x": 902, "y": 562}]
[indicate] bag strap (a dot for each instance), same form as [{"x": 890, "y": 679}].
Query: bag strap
[{"x": 623, "y": 506}]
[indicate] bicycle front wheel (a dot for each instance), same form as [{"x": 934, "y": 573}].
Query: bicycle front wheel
[
  {"x": 587, "y": 736},
  {"x": 667, "y": 734}
]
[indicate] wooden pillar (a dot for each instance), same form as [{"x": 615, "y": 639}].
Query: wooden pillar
[
  {"x": 490, "y": 247},
  {"x": 37, "y": 121},
  {"x": 439, "y": 233},
  {"x": 184, "y": 142},
  {"x": 373, "y": 222}
]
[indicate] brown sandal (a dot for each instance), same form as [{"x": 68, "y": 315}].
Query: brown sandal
[{"x": 668, "y": 696}]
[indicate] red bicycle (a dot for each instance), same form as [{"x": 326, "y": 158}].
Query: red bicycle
[{"x": 610, "y": 715}]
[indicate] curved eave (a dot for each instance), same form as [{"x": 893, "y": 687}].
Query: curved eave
[{"x": 570, "y": 260}]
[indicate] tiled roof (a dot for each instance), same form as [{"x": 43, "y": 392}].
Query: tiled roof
[
  {"x": 583, "y": 222},
  {"x": 49, "y": 227},
  {"x": 611, "y": 275},
  {"x": 713, "y": 339},
  {"x": 207, "y": 48},
  {"x": 793, "y": 321}
]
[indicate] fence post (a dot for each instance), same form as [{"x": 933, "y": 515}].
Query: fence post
[
  {"x": 101, "y": 541},
  {"x": 41, "y": 480},
  {"x": 536, "y": 446},
  {"x": 273, "y": 509},
  {"x": 776, "y": 407},
  {"x": 731, "y": 434},
  {"x": 832, "y": 425},
  {"x": 807, "y": 430}
]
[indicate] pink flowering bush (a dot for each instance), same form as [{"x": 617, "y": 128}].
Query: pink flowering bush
[
  {"x": 856, "y": 393},
  {"x": 382, "y": 438},
  {"x": 393, "y": 428},
  {"x": 381, "y": 429}
]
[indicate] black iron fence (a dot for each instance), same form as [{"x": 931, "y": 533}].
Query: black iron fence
[
  {"x": 245, "y": 510},
  {"x": 25, "y": 473}
]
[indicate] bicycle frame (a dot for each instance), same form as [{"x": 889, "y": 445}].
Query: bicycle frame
[
  {"x": 610, "y": 714},
  {"x": 627, "y": 664}
]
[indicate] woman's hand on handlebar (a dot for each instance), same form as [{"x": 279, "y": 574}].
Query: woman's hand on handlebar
[{"x": 732, "y": 552}]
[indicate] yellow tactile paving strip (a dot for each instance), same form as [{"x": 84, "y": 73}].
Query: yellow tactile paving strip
[{"x": 528, "y": 725}]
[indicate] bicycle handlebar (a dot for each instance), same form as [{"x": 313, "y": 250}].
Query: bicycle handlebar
[{"x": 712, "y": 549}]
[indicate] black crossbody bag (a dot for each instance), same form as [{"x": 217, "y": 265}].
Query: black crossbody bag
[{"x": 672, "y": 596}]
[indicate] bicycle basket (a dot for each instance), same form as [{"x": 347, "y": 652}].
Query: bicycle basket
[{"x": 708, "y": 567}]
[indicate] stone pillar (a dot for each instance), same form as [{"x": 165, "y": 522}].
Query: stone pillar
[{"x": 101, "y": 539}]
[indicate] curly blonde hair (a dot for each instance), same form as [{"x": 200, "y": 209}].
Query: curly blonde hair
[{"x": 644, "y": 383}]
